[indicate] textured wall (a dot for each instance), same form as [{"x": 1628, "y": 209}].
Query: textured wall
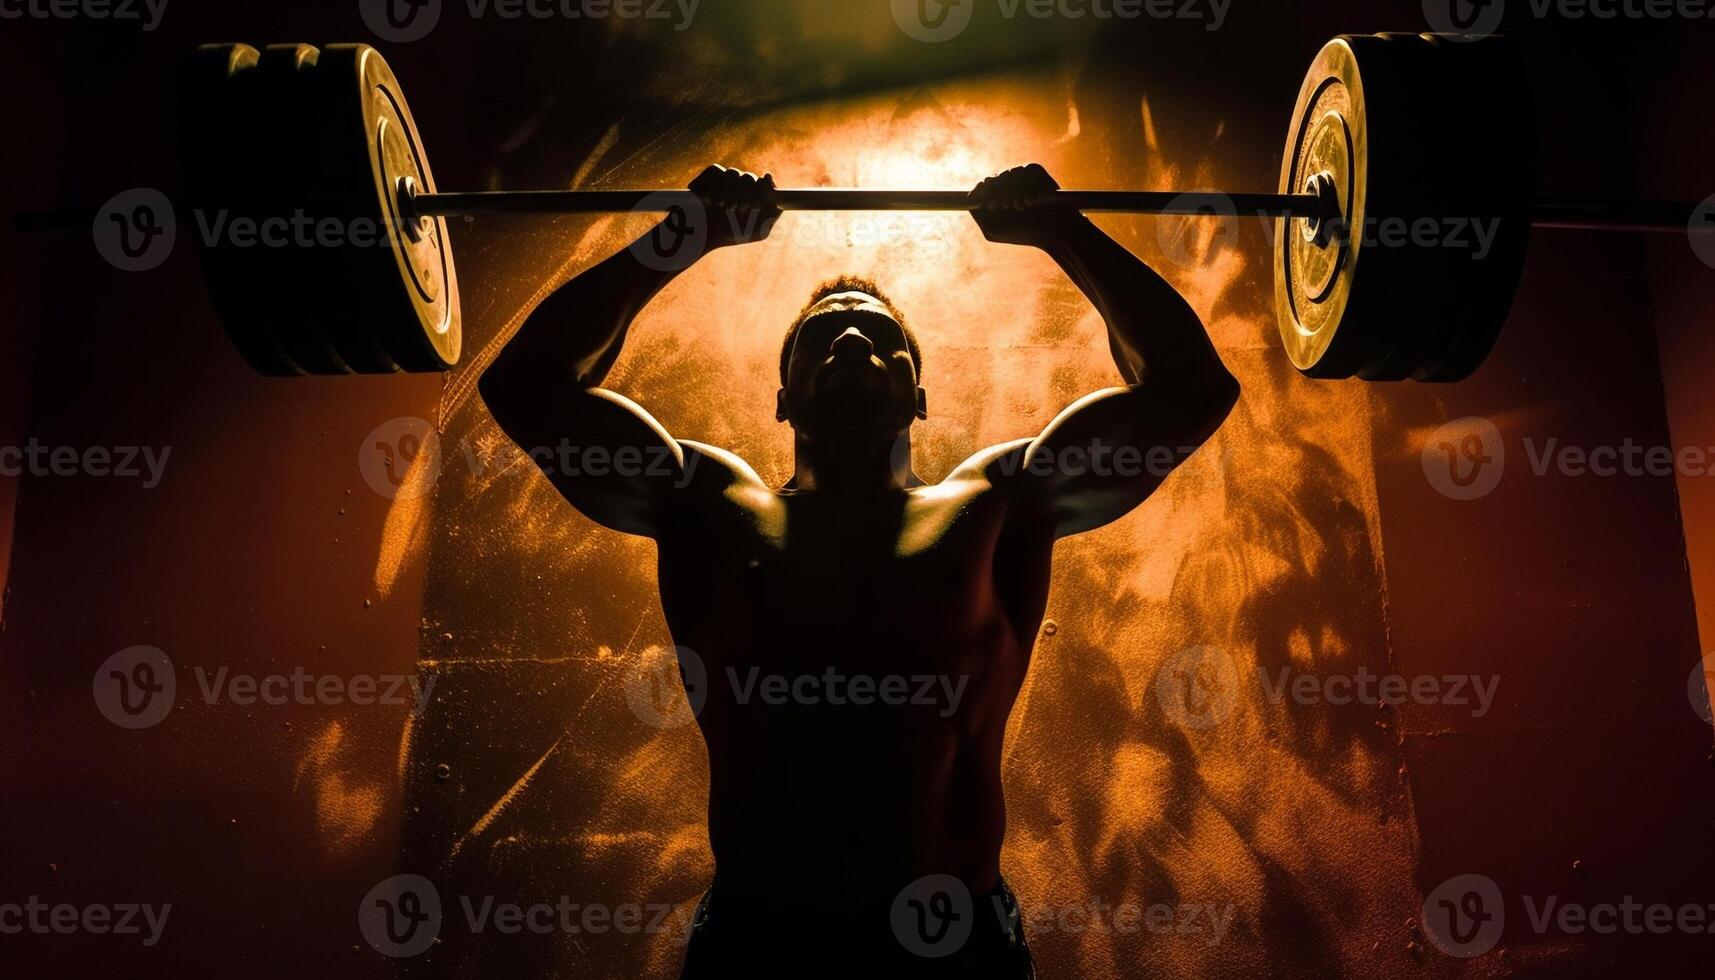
[{"x": 1292, "y": 821}]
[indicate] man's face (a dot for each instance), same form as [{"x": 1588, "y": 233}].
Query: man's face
[{"x": 850, "y": 374}]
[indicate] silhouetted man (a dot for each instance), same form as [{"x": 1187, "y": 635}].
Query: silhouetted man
[{"x": 857, "y": 826}]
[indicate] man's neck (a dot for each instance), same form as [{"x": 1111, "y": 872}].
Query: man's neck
[{"x": 845, "y": 469}]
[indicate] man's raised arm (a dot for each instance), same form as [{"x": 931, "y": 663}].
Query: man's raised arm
[
  {"x": 603, "y": 452},
  {"x": 1107, "y": 452}
]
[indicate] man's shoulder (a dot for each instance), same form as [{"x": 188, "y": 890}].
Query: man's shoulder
[
  {"x": 990, "y": 466},
  {"x": 717, "y": 466},
  {"x": 978, "y": 494},
  {"x": 980, "y": 481},
  {"x": 714, "y": 474}
]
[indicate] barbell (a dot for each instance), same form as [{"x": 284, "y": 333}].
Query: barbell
[{"x": 1389, "y": 132}]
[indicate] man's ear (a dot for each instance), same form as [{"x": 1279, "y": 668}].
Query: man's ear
[
  {"x": 922, "y": 403},
  {"x": 780, "y": 405}
]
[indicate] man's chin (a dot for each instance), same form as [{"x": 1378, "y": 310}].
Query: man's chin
[
  {"x": 858, "y": 421},
  {"x": 847, "y": 380},
  {"x": 849, "y": 399}
]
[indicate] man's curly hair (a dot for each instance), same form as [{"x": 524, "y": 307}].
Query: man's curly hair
[{"x": 848, "y": 284}]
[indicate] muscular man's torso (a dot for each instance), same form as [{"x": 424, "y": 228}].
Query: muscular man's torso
[{"x": 929, "y": 596}]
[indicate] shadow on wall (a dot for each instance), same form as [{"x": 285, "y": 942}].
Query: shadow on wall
[{"x": 1143, "y": 766}]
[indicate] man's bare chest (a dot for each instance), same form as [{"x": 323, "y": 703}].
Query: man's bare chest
[{"x": 921, "y": 567}]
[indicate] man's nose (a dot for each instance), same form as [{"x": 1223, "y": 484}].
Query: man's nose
[{"x": 852, "y": 343}]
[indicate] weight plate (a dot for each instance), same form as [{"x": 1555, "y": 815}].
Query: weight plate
[
  {"x": 214, "y": 132},
  {"x": 287, "y": 263},
  {"x": 401, "y": 298},
  {"x": 1412, "y": 228},
  {"x": 1317, "y": 253},
  {"x": 1492, "y": 192},
  {"x": 1415, "y": 293},
  {"x": 1313, "y": 280}
]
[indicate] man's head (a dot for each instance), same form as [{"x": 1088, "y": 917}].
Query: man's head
[{"x": 849, "y": 366}]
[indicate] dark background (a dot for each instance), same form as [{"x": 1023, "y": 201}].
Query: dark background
[{"x": 265, "y": 549}]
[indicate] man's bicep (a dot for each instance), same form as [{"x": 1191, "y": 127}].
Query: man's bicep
[
  {"x": 605, "y": 454},
  {"x": 1107, "y": 452}
]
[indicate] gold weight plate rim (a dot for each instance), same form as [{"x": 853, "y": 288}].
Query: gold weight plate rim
[
  {"x": 1335, "y": 64},
  {"x": 438, "y": 320}
]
